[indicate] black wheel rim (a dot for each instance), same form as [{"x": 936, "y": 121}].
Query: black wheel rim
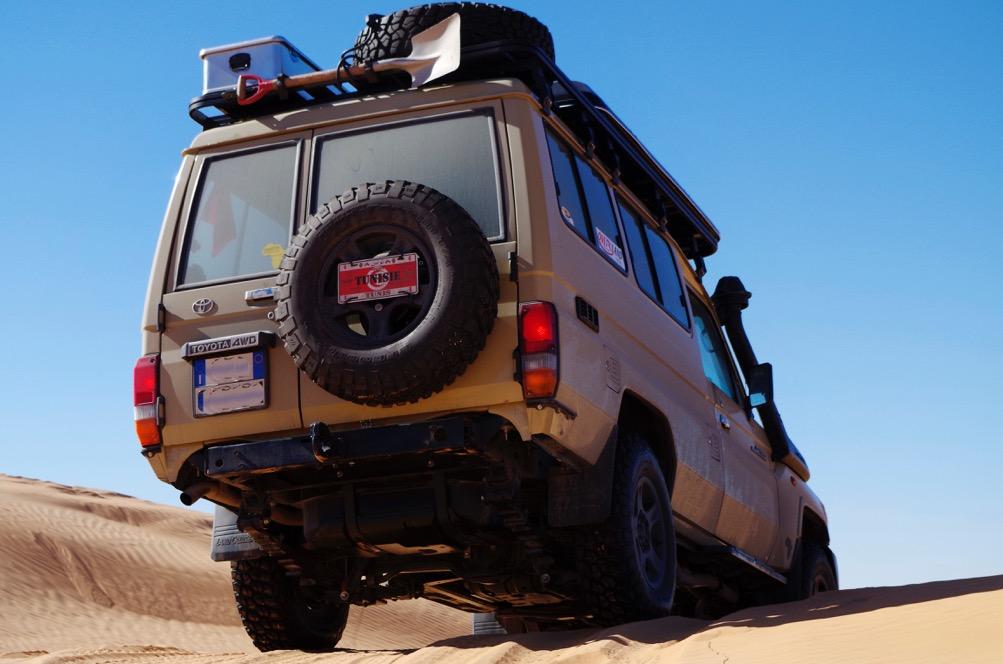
[
  {"x": 649, "y": 529},
  {"x": 819, "y": 584},
  {"x": 379, "y": 322}
]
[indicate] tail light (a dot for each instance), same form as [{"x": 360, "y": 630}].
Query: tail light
[
  {"x": 538, "y": 349},
  {"x": 146, "y": 399}
]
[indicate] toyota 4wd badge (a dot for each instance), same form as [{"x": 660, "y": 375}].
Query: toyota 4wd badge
[{"x": 378, "y": 278}]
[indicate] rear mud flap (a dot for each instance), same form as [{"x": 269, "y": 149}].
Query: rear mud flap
[
  {"x": 583, "y": 498},
  {"x": 228, "y": 541}
]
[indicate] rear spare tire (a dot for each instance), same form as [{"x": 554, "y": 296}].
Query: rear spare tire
[{"x": 387, "y": 293}]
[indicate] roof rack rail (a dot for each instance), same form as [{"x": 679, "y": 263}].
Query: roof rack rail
[{"x": 596, "y": 127}]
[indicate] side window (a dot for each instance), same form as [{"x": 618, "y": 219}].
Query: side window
[
  {"x": 638, "y": 248},
  {"x": 585, "y": 202},
  {"x": 713, "y": 355},
  {"x": 606, "y": 235},
  {"x": 667, "y": 273},
  {"x": 242, "y": 217},
  {"x": 572, "y": 210}
]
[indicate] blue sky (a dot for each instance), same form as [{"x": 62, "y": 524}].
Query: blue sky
[{"x": 851, "y": 154}]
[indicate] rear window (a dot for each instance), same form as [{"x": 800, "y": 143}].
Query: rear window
[
  {"x": 638, "y": 248},
  {"x": 568, "y": 197},
  {"x": 585, "y": 202},
  {"x": 605, "y": 234},
  {"x": 456, "y": 155},
  {"x": 673, "y": 300},
  {"x": 242, "y": 215},
  {"x": 654, "y": 265}
]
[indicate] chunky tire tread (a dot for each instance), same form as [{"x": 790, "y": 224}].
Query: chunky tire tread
[
  {"x": 270, "y": 609},
  {"x": 417, "y": 370},
  {"x": 610, "y": 583},
  {"x": 479, "y": 23},
  {"x": 815, "y": 562}
]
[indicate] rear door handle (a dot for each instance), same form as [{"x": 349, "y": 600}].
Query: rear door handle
[
  {"x": 724, "y": 421},
  {"x": 259, "y": 296}
]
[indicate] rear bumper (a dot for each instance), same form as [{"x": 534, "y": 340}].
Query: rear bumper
[
  {"x": 413, "y": 489},
  {"x": 322, "y": 447}
]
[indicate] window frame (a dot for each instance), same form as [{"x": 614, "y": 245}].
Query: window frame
[
  {"x": 579, "y": 157},
  {"x": 674, "y": 258},
  {"x": 649, "y": 257},
  {"x": 321, "y": 135},
  {"x": 740, "y": 398},
  {"x": 645, "y": 250},
  {"x": 191, "y": 209}
]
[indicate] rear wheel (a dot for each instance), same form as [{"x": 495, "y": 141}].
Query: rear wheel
[
  {"x": 628, "y": 564},
  {"x": 279, "y": 614}
]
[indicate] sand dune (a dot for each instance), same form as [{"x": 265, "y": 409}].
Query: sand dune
[{"x": 95, "y": 577}]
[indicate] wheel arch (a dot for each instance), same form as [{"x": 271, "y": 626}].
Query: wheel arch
[
  {"x": 640, "y": 416},
  {"x": 813, "y": 527},
  {"x": 579, "y": 498}
]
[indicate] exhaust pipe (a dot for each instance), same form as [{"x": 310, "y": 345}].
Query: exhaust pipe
[
  {"x": 217, "y": 493},
  {"x": 223, "y": 494},
  {"x": 190, "y": 495}
]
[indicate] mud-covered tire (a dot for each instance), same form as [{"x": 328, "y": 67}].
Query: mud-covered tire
[
  {"x": 278, "y": 615},
  {"x": 617, "y": 585},
  {"x": 388, "y": 351},
  {"x": 480, "y": 23},
  {"x": 814, "y": 572}
]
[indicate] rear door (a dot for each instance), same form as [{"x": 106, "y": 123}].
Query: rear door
[
  {"x": 222, "y": 374},
  {"x": 460, "y": 151}
]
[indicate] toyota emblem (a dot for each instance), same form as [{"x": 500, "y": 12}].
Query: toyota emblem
[{"x": 203, "y": 306}]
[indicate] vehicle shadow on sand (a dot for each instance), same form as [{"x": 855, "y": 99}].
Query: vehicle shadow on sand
[{"x": 675, "y": 628}]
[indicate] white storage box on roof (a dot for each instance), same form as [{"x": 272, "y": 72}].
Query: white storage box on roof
[{"x": 268, "y": 57}]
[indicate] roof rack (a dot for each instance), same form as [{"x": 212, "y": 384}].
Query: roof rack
[{"x": 600, "y": 132}]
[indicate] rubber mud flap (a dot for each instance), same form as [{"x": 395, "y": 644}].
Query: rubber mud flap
[
  {"x": 581, "y": 498},
  {"x": 228, "y": 541}
]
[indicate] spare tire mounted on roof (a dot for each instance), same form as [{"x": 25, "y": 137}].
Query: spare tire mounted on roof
[
  {"x": 387, "y": 293},
  {"x": 390, "y": 36}
]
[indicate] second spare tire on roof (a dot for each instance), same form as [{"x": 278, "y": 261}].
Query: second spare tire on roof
[
  {"x": 390, "y": 36},
  {"x": 387, "y": 293}
]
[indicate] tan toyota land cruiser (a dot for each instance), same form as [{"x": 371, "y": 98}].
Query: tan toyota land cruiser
[{"x": 448, "y": 339}]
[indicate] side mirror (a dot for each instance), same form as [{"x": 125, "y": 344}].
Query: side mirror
[{"x": 760, "y": 382}]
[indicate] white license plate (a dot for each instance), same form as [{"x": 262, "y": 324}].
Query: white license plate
[
  {"x": 229, "y": 383},
  {"x": 231, "y": 397}
]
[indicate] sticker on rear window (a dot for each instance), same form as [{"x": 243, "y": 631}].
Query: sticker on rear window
[
  {"x": 274, "y": 252},
  {"x": 566, "y": 213},
  {"x": 610, "y": 248},
  {"x": 378, "y": 278}
]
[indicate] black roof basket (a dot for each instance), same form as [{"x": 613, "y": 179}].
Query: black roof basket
[{"x": 598, "y": 130}]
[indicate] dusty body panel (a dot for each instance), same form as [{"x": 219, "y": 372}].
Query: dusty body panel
[{"x": 726, "y": 488}]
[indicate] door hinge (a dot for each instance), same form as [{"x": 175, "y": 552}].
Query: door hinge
[
  {"x": 513, "y": 266},
  {"x": 161, "y": 317}
]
